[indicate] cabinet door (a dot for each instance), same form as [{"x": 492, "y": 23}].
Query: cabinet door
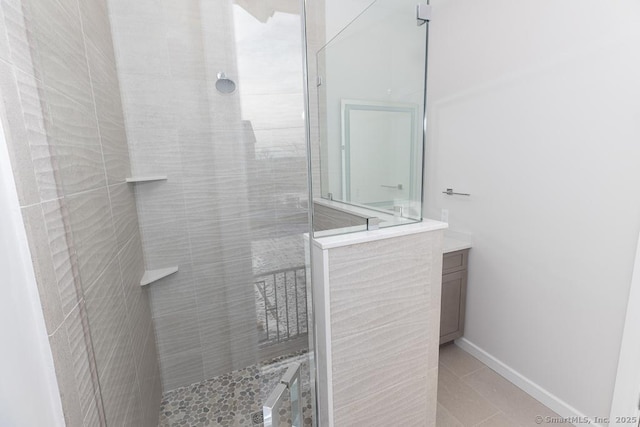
[{"x": 452, "y": 306}]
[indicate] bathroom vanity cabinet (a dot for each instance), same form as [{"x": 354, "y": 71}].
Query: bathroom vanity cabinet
[{"x": 454, "y": 292}]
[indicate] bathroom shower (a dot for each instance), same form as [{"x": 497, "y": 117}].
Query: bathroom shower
[{"x": 225, "y": 85}]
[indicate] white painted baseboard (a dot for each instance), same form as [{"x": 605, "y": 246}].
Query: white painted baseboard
[{"x": 550, "y": 400}]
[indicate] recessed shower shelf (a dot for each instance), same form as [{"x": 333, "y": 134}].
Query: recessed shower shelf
[
  {"x": 151, "y": 276},
  {"x": 135, "y": 179}
]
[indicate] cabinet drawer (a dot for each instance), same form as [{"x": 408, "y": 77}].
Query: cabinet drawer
[{"x": 454, "y": 261}]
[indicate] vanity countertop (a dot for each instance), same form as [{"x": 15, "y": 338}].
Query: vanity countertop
[{"x": 451, "y": 245}]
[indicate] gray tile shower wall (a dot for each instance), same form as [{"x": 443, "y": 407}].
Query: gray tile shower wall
[
  {"x": 236, "y": 167},
  {"x": 62, "y": 117}
]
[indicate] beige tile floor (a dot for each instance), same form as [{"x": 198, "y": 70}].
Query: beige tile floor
[{"x": 471, "y": 394}]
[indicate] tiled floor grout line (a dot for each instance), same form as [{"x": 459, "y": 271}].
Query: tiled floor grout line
[
  {"x": 489, "y": 417},
  {"x": 495, "y": 410},
  {"x": 463, "y": 380},
  {"x": 472, "y": 372},
  {"x": 441, "y": 407},
  {"x": 489, "y": 387}
]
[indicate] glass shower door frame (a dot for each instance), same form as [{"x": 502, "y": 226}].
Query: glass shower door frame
[{"x": 271, "y": 409}]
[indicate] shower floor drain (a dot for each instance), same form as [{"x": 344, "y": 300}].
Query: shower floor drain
[{"x": 257, "y": 417}]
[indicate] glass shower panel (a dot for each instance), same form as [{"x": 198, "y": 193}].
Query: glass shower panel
[
  {"x": 213, "y": 94},
  {"x": 371, "y": 97}
]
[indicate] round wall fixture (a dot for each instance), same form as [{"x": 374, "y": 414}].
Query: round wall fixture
[{"x": 224, "y": 85}]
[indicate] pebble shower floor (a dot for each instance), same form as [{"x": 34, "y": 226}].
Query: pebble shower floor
[{"x": 232, "y": 399}]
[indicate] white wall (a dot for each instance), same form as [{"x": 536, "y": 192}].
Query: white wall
[
  {"x": 28, "y": 387},
  {"x": 534, "y": 109}
]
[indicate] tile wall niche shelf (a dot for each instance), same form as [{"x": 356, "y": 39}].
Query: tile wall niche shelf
[
  {"x": 135, "y": 179},
  {"x": 151, "y": 276}
]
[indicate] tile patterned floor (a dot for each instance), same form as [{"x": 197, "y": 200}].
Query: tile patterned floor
[
  {"x": 230, "y": 400},
  {"x": 471, "y": 394}
]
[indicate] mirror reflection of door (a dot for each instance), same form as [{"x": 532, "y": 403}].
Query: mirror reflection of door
[{"x": 378, "y": 144}]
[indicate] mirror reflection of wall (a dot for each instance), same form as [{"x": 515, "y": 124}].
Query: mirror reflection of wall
[{"x": 371, "y": 97}]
